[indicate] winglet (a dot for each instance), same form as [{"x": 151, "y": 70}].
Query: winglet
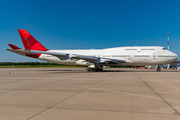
[{"x": 14, "y": 47}]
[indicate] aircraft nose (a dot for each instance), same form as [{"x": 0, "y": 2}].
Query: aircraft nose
[{"x": 174, "y": 56}]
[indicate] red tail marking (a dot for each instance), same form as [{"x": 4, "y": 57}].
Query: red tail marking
[
  {"x": 30, "y": 42},
  {"x": 14, "y": 47}
]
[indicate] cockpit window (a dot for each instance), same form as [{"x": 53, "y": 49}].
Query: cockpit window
[{"x": 164, "y": 49}]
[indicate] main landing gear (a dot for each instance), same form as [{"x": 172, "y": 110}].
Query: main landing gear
[
  {"x": 95, "y": 69},
  {"x": 158, "y": 68}
]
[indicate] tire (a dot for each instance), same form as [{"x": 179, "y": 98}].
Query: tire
[
  {"x": 88, "y": 69},
  {"x": 96, "y": 70}
]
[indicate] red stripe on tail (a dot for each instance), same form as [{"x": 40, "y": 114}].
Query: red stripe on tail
[{"x": 30, "y": 42}]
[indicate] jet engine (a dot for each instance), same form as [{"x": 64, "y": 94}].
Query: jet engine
[{"x": 82, "y": 62}]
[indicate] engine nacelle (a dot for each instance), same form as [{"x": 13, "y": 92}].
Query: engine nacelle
[
  {"x": 92, "y": 66},
  {"x": 82, "y": 62}
]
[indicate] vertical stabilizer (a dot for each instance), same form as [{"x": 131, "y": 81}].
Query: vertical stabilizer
[{"x": 30, "y": 42}]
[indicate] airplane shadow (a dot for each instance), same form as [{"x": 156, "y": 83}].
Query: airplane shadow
[
  {"x": 135, "y": 71},
  {"x": 55, "y": 70},
  {"x": 83, "y": 71}
]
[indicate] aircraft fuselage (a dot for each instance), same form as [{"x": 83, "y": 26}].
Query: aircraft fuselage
[{"x": 132, "y": 56}]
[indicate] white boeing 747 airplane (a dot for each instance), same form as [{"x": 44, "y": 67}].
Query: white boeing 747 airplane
[{"x": 95, "y": 58}]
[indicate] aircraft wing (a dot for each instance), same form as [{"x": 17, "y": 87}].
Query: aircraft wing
[
  {"x": 71, "y": 56},
  {"x": 97, "y": 59},
  {"x": 92, "y": 59}
]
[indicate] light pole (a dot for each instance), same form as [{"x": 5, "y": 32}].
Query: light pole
[
  {"x": 13, "y": 63},
  {"x": 168, "y": 41}
]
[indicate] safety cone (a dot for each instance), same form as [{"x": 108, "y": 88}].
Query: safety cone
[
  {"x": 114, "y": 70},
  {"x": 9, "y": 72},
  {"x": 84, "y": 71}
]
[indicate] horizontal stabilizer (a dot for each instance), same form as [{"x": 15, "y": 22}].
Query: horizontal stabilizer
[
  {"x": 49, "y": 53},
  {"x": 14, "y": 47},
  {"x": 21, "y": 52}
]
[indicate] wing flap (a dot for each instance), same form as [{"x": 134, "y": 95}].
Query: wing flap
[
  {"x": 107, "y": 61},
  {"x": 88, "y": 58}
]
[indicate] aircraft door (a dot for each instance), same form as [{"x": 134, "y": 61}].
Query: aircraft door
[
  {"x": 98, "y": 55},
  {"x": 129, "y": 57},
  {"x": 154, "y": 56},
  {"x": 138, "y": 49}
]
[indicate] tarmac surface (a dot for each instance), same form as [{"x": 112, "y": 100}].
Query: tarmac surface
[{"x": 71, "y": 94}]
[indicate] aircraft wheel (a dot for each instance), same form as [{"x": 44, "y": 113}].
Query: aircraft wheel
[
  {"x": 101, "y": 70},
  {"x": 88, "y": 69},
  {"x": 158, "y": 68}
]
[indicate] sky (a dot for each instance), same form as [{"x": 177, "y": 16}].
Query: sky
[{"x": 89, "y": 24}]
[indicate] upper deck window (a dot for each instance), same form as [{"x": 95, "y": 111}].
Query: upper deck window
[
  {"x": 147, "y": 49},
  {"x": 164, "y": 49},
  {"x": 130, "y": 49}
]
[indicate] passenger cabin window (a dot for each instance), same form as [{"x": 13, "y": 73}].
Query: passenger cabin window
[
  {"x": 164, "y": 49},
  {"x": 141, "y": 55},
  {"x": 119, "y": 55}
]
